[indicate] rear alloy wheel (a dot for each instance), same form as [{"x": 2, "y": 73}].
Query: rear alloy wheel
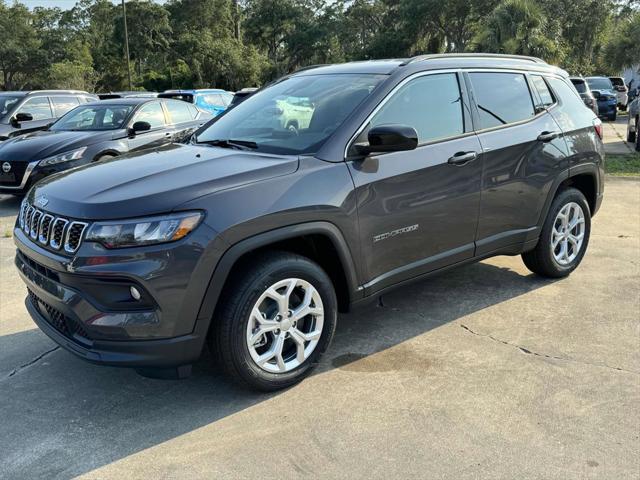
[
  {"x": 564, "y": 236},
  {"x": 278, "y": 315}
]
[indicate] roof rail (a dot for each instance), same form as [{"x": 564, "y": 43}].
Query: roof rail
[
  {"x": 29, "y": 92},
  {"x": 435, "y": 56}
]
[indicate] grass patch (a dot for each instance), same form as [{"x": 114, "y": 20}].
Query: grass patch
[
  {"x": 623, "y": 165},
  {"x": 8, "y": 233}
]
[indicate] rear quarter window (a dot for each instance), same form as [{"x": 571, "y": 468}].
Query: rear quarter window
[
  {"x": 572, "y": 113},
  {"x": 502, "y": 98}
]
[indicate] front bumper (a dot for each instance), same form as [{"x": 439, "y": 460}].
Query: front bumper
[
  {"x": 21, "y": 185},
  {"x": 67, "y": 300}
]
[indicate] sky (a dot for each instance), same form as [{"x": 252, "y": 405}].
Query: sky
[{"x": 64, "y": 4}]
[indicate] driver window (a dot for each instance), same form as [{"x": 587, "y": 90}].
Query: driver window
[
  {"x": 151, "y": 113},
  {"x": 431, "y": 104},
  {"x": 39, "y": 108}
]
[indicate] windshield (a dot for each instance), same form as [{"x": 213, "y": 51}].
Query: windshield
[
  {"x": 580, "y": 86},
  {"x": 599, "y": 83},
  {"x": 6, "y": 103},
  {"x": 294, "y": 116},
  {"x": 617, "y": 81},
  {"x": 94, "y": 117}
]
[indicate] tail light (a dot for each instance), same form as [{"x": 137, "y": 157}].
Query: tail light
[{"x": 597, "y": 125}]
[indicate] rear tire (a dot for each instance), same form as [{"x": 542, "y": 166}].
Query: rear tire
[
  {"x": 261, "y": 335},
  {"x": 560, "y": 248},
  {"x": 631, "y": 137}
]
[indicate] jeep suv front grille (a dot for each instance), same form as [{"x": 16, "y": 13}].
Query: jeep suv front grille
[{"x": 49, "y": 230}]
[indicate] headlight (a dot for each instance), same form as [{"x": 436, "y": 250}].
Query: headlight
[
  {"x": 144, "y": 231},
  {"x": 63, "y": 157}
]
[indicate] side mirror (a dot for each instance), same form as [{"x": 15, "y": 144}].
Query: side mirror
[
  {"x": 389, "y": 138},
  {"x": 21, "y": 117},
  {"x": 139, "y": 127},
  {"x": 596, "y": 94}
]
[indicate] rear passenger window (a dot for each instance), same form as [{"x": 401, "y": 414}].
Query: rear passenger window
[
  {"x": 179, "y": 111},
  {"x": 63, "y": 104},
  {"x": 572, "y": 104},
  {"x": 430, "y": 104},
  {"x": 546, "y": 97},
  {"x": 502, "y": 98}
]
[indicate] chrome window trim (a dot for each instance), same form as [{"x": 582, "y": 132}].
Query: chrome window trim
[{"x": 25, "y": 177}]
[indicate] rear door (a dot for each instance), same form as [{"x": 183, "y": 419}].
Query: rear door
[
  {"x": 181, "y": 118},
  {"x": 523, "y": 152},
  {"x": 418, "y": 210},
  {"x": 63, "y": 104},
  {"x": 154, "y": 114}
]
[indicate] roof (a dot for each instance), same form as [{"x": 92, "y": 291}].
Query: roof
[
  {"x": 47, "y": 92},
  {"x": 194, "y": 91},
  {"x": 435, "y": 61},
  {"x": 124, "y": 101}
]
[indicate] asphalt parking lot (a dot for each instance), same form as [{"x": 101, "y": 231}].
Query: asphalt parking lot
[{"x": 482, "y": 372}]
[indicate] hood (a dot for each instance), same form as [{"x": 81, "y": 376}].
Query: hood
[
  {"x": 154, "y": 181},
  {"x": 43, "y": 144}
]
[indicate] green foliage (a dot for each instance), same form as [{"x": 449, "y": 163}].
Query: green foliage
[
  {"x": 623, "y": 165},
  {"x": 238, "y": 43}
]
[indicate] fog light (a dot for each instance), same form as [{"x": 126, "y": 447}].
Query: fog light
[{"x": 135, "y": 293}]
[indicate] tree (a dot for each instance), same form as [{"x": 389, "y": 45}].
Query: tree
[
  {"x": 518, "y": 27},
  {"x": 20, "y": 53}
]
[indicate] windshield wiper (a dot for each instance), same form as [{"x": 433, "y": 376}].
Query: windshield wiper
[{"x": 238, "y": 144}]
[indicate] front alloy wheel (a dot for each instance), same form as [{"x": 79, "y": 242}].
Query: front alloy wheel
[
  {"x": 277, "y": 315},
  {"x": 285, "y": 325}
]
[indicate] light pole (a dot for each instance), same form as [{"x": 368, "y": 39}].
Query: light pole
[{"x": 126, "y": 42}]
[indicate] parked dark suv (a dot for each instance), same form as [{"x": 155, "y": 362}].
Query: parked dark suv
[
  {"x": 93, "y": 132},
  {"x": 24, "y": 112},
  {"x": 253, "y": 236}
]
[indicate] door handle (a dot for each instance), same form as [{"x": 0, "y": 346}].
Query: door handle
[
  {"x": 461, "y": 158},
  {"x": 548, "y": 136}
]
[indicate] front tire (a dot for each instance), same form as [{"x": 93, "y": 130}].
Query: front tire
[
  {"x": 564, "y": 237},
  {"x": 612, "y": 117},
  {"x": 278, "y": 315}
]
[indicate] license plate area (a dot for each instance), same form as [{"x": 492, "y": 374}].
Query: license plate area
[{"x": 7, "y": 177}]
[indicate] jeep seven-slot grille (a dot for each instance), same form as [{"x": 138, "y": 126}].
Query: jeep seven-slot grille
[{"x": 50, "y": 230}]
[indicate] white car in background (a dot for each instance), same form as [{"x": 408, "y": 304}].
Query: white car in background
[{"x": 622, "y": 92}]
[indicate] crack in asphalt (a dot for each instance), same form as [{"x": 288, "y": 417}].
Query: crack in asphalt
[
  {"x": 32, "y": 362},
  {"x": 526, "y": 351}
]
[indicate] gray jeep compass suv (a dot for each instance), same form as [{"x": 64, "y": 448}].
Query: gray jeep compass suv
[{"x": 251, "y": 237}]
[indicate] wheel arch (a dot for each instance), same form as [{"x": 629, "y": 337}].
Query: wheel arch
[
  {"x": 105, "y": 153},
  {"x": 322, "y": 242}
]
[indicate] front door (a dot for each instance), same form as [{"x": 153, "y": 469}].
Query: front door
[
  {"x": 152, "y": 113},
  {"x": 418, "y": 210},
  {"x": 40, "y": 110}
]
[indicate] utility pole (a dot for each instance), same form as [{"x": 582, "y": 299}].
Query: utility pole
[{"x": 126, "y": 43}]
